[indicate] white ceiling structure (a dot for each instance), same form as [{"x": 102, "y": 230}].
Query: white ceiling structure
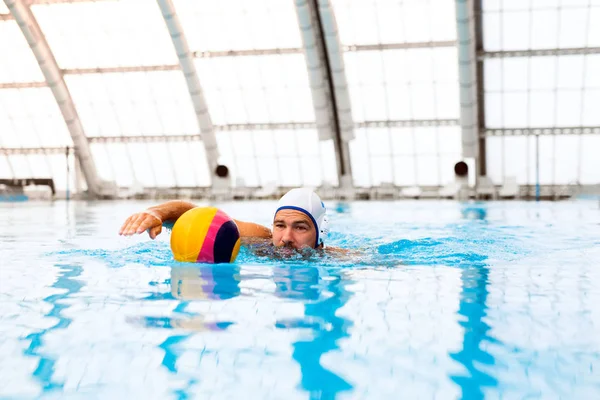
[{"x": 299, "y": 92}]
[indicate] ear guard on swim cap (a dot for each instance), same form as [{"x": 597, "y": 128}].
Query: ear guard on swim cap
[
  {"x": 309, "y": 203},
  {"x": 323, "y": 229}
]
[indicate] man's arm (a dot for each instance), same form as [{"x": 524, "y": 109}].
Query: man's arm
[
  {"x": 250, "y": 229},
  {"x": 154, "y": 217}
]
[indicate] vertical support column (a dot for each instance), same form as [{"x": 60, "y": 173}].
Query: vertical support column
[
  {"x": 78, "y": 182},
  {"x": 480, "y": 93},
  {"x": 537, "y": 167},
  {"x": 317, "y": 75},
  {"x": 55, "y": 80},
  {"x": 68, "y": 173},
  {"x": 327, "y": 76},
  {"x": 470, "y": 75},
  {"x": 186, "y": 61}
]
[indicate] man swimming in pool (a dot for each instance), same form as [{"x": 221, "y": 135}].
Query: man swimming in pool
[{"x": 299, "y": 222}]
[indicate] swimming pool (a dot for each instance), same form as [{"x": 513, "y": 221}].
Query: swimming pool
[{"x": 450, "y": 300}]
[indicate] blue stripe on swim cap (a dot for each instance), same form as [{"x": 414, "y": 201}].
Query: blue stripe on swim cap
[{"x": 302, "y": 210}]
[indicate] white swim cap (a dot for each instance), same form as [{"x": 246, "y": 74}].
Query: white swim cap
[{"x": 308, "y": 202}]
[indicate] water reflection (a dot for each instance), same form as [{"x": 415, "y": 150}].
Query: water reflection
[
  {"x": 473, "y": 310},
  {"x": 322, "y": 298},
  {"x": 196, "y": 282},
  {"x": 298, "y": 282},
  {"x": 476, "y": 211},
  {"x": 189, "y": 284},
  {"x": 65, "y": 282},
  {"x": 219, "y": 282},
  {"x": 201, "y": 282},
  {"x": 342, "y": 207}
]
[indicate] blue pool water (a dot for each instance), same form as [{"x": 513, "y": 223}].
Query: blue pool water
[{"x": 448, "y": 300}]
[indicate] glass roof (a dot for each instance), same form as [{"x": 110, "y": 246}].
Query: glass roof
[
  {"x": 256, "y": 89},
  {"x": 542, "y": 91},
  {"x": 21, "y": 66},
  {"x": 394, "y": 21},
  {"x": 31, "y": 118},
  {"x": 540, "y": 24},
  {"x": 423, "y": 156},
  {"x": 255, "y": 157},
  {"x": 419, "y": 82},
  {"x": 401, "y": 66},
  {"x": 133, "y": 103},
  {"x": 106, "y": 33},
  {"x": 535, "y": 89},
  {"x": 564, "y": 160},
  {"x": 155, "y": 164},
  {"x": 241, "y": 24},
  {"x": 403, "y": 84},
  {"x": 284, "y": 157}
]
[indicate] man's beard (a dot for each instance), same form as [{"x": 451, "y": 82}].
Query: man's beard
[{"x": 290, "y": 252}]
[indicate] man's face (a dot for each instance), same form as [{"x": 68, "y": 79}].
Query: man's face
[{"x": 293, "y": 229}]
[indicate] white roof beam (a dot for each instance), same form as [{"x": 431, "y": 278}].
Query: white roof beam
[
  {"x": 55, "y": 81},
  {"x": 186, "y": 61},
  {"x": 327, "y": 77}
]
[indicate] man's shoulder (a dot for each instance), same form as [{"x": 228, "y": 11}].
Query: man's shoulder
[
  {"x": 254, "y": 240},
  {"x": 338, "y": 251}
]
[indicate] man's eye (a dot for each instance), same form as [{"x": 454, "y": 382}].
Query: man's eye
[{"x": 302, "y": 228}]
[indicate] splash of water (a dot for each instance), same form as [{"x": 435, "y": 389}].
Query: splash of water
[{"x": 456, "y": 245}]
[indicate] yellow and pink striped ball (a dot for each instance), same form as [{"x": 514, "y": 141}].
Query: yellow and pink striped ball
[{"x": 205, "y": 235}]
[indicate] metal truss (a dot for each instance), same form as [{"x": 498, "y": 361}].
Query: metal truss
[
  {"x": 25, "y": 151},
  {"x": 145, "y": 139},
  {"x": 254, "y": 127},
  {"x": 538, "y": 53},
  {"x": 411, "y": 123},
  {"x": 42, "y": 2},
  {"x": 242, "y": 53},
  {"x": 85, "y": 71},
  {"x": 23, "y": 85},
  {"x": 108, "y": 70},
  {"x": 354, "y": 47},
  {"x": 268, "y": 126},
  {"x": 229, "y": 128},
  {"x": 569, "y": 130},
  {"x": 399, "y": 46}
]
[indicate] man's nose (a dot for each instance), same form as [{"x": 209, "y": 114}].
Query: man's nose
[{"x": 287, "y": 236}]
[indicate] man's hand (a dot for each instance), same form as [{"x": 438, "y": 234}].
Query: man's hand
[{"x": 140, "y": 222}]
